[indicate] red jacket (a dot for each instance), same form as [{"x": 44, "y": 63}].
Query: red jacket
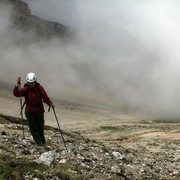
[{"x": 34, "y": 98}]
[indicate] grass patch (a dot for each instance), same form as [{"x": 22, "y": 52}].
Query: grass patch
[
  {"x": 11, "y": 168},
  {"x": 62, "y": 172},
  {"x": 14, "y": 119},
  {"x": 109, "y": 128},
  {"x": 153, "y": 144},
  {"x": 166, "y": 121}
]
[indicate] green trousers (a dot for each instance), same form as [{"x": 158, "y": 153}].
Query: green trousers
[{"x": 36, "y": 126}]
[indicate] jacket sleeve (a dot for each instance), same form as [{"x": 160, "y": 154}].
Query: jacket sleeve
[
  {"x": 44, "y": 95},
  {"x": 18, "y": 93}
]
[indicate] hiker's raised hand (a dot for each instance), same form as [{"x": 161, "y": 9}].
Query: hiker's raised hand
[{"x": 18, "y": 80}]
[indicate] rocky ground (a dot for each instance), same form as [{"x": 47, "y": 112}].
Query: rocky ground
[{"x": 143, "y": 150}]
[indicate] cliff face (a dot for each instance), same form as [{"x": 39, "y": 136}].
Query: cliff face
[{"x": 33, "y": 27}]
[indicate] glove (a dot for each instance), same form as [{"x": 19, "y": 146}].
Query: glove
[
  {"x": 52, "y": 105},
  {"x": 18, "y": 80}
]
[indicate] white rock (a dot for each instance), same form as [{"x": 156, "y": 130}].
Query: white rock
[
  {"x": 62, "y": 161},
  {"x": 115, "y": 168},
  {"x": 117, "y": 155},
  {"x": 46, "y": 158}
]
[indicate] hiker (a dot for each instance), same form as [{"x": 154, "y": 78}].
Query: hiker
[{"x": 35, "y": 95}]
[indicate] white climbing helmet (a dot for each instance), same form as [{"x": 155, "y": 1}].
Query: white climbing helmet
[{"x": 31, "y": 77}]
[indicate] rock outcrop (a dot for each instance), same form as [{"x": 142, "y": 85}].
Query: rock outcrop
[{"x": 33, "y": 27}]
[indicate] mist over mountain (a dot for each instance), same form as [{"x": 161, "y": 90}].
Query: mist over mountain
[{"x": 122, "y": 53}]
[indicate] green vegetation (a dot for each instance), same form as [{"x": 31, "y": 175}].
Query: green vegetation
[
  {"x": 11, "y": 168},
  {"x": 166, "y": 121},
  {"x": 13, "y": 119},
  {"x": 159, "y": 121},
  {"x": 110, "y": 128}
]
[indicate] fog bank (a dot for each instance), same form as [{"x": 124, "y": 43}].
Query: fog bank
[{"x": 124, "y": 53}]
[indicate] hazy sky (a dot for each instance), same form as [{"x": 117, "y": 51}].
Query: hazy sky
[{"x": 125, "y": 52}]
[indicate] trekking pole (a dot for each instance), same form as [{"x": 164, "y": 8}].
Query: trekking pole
[
  {"x": 59, "y": 127},
  {"x": 21, "y": 108}
]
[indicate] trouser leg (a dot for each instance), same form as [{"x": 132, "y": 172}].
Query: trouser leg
[
  {"x": 36, "y": 126},
  {"x": 40, "y": 124}
]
